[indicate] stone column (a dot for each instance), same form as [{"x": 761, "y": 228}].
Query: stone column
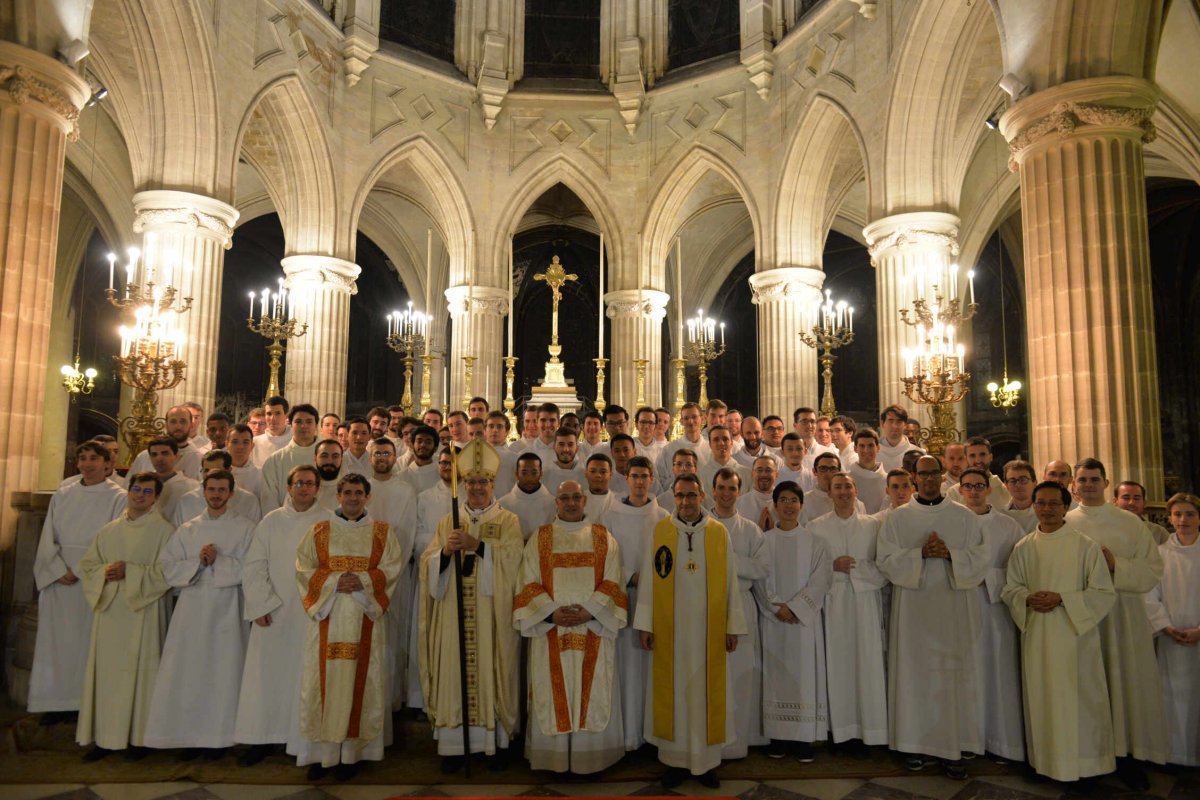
[
  {"x": 315, "y": 363},
  {"x": 787, "y": 368},
  {"x": 1093, "y": 388},
  {"x": 901, "y": 246},
  {"x": 477, "y": 315},
  {"x": 637, "y": 317},
  {"x": 40, "y": 101},
  {"x": 184, "y": 239}
]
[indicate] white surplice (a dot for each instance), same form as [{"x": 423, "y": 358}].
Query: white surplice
[
  {"x": 129, "y": 624},
  {"x": 934, "y": 630},
  {"x": 432, "y": 505},
  {"x": 818, "y": 503},
  {"x": 854, "y": 649},
  {"x": 533, "y": 509},
  {"x": 998, "y": 496},
  {"x": 195, "y": 699},
  {"x": 421, "y": 477},
  {"x": 248, "y": 477},
  {"x": 173, "y": 490},
  {"x": 60, "y": 650},
  {"x": 632, "y": 527},
  {"x": 192, "y": 505},
  {"x": 1134, "y": 686},
  {"x": 393, "y": 501},
  {"x": 270, "y": 686},
  {"x": 1004, "y": 727},
  {"x": 554, "y": 474},
  {"x": 574, "y": 698},
  {"x": 750, "y": 504},
  {"x": 1022, "y": 516},
  {"x": 1175, "y": 603},
  {"x": 1068, "y": 726},
  {"x": 273, "y": 491},
  {"x": 188, "y": 462},
  {"x": 795, "y": 701},
  {"x": 267, "y": 444},
  {"x": 745, "y": 663},
  {"x": 892, "y": 456},
  {"x": 872, "y": 486}
]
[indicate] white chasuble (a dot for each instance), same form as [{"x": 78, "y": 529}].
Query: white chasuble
[
  {"x": 632, "y": 527},
  {"x": 575, "y": 713},
  {"x": 1139, "y": 719},
  {"x": 492, "y": 642},
  {"x": 854, "y": 649},
  {"x": 934, "y": 680},
  {"x": 1175, "y": 603},
  {"x": 689, "y": 601},
  {"x": 60, "y": 650},
  {"x": 344, "y": 703},
  {"x": 196, "y": 695},
  {"x": 1004, "y": 733},
  {"x": 129, "y": 624},
  {"x": 1068, "y": 726},
  {"x": 745, "y": 663},
  {"x": 795, "y": 705},
  {"x": 270, "y": 687}
]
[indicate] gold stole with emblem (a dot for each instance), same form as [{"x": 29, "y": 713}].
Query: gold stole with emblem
[{"x": 666, "y": 536}]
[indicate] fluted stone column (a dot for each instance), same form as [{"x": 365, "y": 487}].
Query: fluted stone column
[
  {"x": 40, "y": 101},
  {"x": 480, "y": 311},
  {"x": 636, "y": 333},
  {"x": 900, "y": 246},
  {"x": 190, "y": 234},
  {"x": 787, "y": 368},
  {"x": 315, "y": 364},
  {"x": 1092, "y": 358}
]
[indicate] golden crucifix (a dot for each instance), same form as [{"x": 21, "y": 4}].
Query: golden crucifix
[{"x": 555, "y": 277}]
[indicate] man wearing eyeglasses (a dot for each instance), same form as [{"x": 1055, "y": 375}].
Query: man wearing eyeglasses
[
  {"x": 688, "y": 563},
  {"x": 936, "y": 554},
  {"x": 571, "y": 608},
  {"x": 647, "y": 443},
  {"x": 1019, "y": 478},
  {"x": 1003, "y": 724},
  {"x": 817, "y": 502},
  {"x": 268, "y": 697},
  {"x": 979, "y": 456}
]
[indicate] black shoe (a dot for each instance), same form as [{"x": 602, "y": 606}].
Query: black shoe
[
  {"x": 189, "y": 754},
  {"x": 673, "y": 777},
  {"x": 914, "y": 763},
  {"x": 777, "y": 748},
  {"x": 345, "y": 772},
  {"x": 255, "y": 754},
  {"x": 316, "y": 772},
  {"x": 1132, "y": 775},
  {"x": 709, "y": 780},
  {"x": 452, "y": 764},
  {"x": 95, "y": 754},
  {"x": 215, "y": 753},
  {"x": 804, "y": 753},
  {"x": 956, "y": 771},
  {"x": 498, "y": 761},
  {"x": 133, "y": 753}
]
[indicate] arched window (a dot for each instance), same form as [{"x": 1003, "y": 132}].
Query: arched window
[{"x": 424, "y": 25}]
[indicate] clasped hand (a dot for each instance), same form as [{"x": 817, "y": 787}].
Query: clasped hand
[
  {"x": 349, "y": 582},
  {"x": 784, "y": 614},
  {"x": 459, "y": 539},
  {"x": 570, "y": 616},
  {"x": 1044, "y": 602},
  {"x": 1185, "y": 636},
  {"x": 844, "y": 564},
  {"x": 935, "y": 547},
  {"x": 114, "y": 571},
  {"x": 208, "y": 554}
]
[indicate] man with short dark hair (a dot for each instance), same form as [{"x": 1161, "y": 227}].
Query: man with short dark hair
[
  {"x": 327, "y": 458},
  {"x": 647, "y": 444},
  {"x": 870, "y": 478},
  {"x": 329, "y": 425},
  {"x": 893, "y": 443},
  {"x": 433, "y": 418},
  {"x": 979, "y": 456},
  {"x": 720, "y": 443},
  {"x": 841, "y": 436},
  {"x": 691, "y": 417},
  {"x": 356, "y": 457},
  {"x": 216, "y": 428},
  {"x": 256, "y": 420},
  {"x": 432, "y": 505},
  {"x": 1131, "y": 496},
  {"x": 164, "y": 455},
  {"x": 772, "y": 433},
  {"x": 548, "y": 417},
  {"x": 756, "y": 503},
  {"x": 804, "y": 421},
  {"x": 193, "y": 503},
  {"x": 301, "y": 449},
  {"x": 529, "y": 499},
  {"x": 187, "y": 456},
  {"x": 495, "y": 432},
  {"x": 589, "y": 438},
  {"x": 597, "y": 473},
  {"x": 566, "y": 465},
  {"x": 206, "y": 641},
  {"x": 622, "y": 448},
  {"x": 378, "y": 420},
  {"x": 241, "y": 451},
  {"x": 1020, "y": 478},
  {"x": 616, "y": 420},
  {"x": 277, "y": 435},
  {"x": 478, "y": 407},
  {"x": 422, "y": 471}
]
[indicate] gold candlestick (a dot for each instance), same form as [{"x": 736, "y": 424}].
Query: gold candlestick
[
  {"x": 600, "y": 404},
  {"x": 468, "y": 381},
  {"x": 276, "y": 329},
  {"x": 426, "y": 378},
  {"x": 702, "y": 347},
  {"x": 832, "y": 329},
  {"x": 510, "y": 403},
  {"x": 639, "y": 366},
  {"x": 680, "y": 395}
]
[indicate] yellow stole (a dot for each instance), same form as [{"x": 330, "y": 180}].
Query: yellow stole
[{"x": 666, "y": 563}]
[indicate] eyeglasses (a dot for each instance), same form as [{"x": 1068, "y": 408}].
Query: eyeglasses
[
  {"x": 973, "y": 487},
  {"x": 1018, "y": 481},
  {"x": 303, "y": 483},
  {"x": 146, "y": 490},
  {"x": 686, "y": 496},
  {"x": 829, "y": 469}
]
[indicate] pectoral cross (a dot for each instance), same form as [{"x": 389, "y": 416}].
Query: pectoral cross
[{"x": 555, "y": 277}]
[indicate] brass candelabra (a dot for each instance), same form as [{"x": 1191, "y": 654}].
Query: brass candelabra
[
  {"x": 833, "y": 328},
  {"x": 76, "y": 381},
  {"x": 703, "y": 348},
  {"x": 275, "y": 324},
  {"x": 406, "y": 335}
]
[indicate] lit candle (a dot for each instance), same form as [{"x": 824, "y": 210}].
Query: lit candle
[
  {"x": 852, "y": 319},
  {"x": 112, "y": 265},
  {"x": 429, "y": 277},
  {"x": 679, "y": 291},
  {"x": 971, "y": 281},
  {"x": 722, "y": 335},
  {"x": 266, "y": 300},
  {"x": 252, "y": 305},
  {"x": 600, "y": 334},
  {"x": 953, "y": 281}
]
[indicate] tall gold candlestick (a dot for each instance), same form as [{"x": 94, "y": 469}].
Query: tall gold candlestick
[
  {"x": 639, "y": 366},
  {"x": 468, "y": 381},
  {"x": 510, "y": 403},
  {"x": 680, "y": 395},
  {"x": 600, "y": 404},
  {"x": 426, "y": 379}
]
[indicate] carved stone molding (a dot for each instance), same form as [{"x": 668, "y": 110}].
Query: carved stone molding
[
  {"x": 786, "y": 284},
  {"x": 477, "y": 300},
  {"x": 631, "y": 303},
  {"x": 320, "y": 272},
  {"x": 164, "y": 207},
  {"x": 934, "y": 231},
  {"x": 28, "y": 76},
  {"x": 1067, "y": 117}
]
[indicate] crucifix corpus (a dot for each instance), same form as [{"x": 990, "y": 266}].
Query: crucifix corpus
[{"x": 555, "y": 277}]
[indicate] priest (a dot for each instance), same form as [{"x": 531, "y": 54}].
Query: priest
[
  {"x": 489, "y": 539},
  {"x": 1058, "y": 590},
  {"x": 270, "y": 685},
  {"x": 346, "y": 570},
  {"x": 124, "y": 585},
  {"x": 571, "y": 608},
  {"x": 689, "y": 564}
]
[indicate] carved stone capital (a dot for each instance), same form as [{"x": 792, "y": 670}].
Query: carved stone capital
[
  {"x": 316, "y": 272},
  {"x": 931, "y": 231},
  {"x": 28, "y": 77},
  {"x": 165, "y": 208},
  {"x": 786, "y": 285},
  {"x": 476, "y": 300},
  {"x": 631, "y": 303},
  {"x": 1119, "y": 103}
]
